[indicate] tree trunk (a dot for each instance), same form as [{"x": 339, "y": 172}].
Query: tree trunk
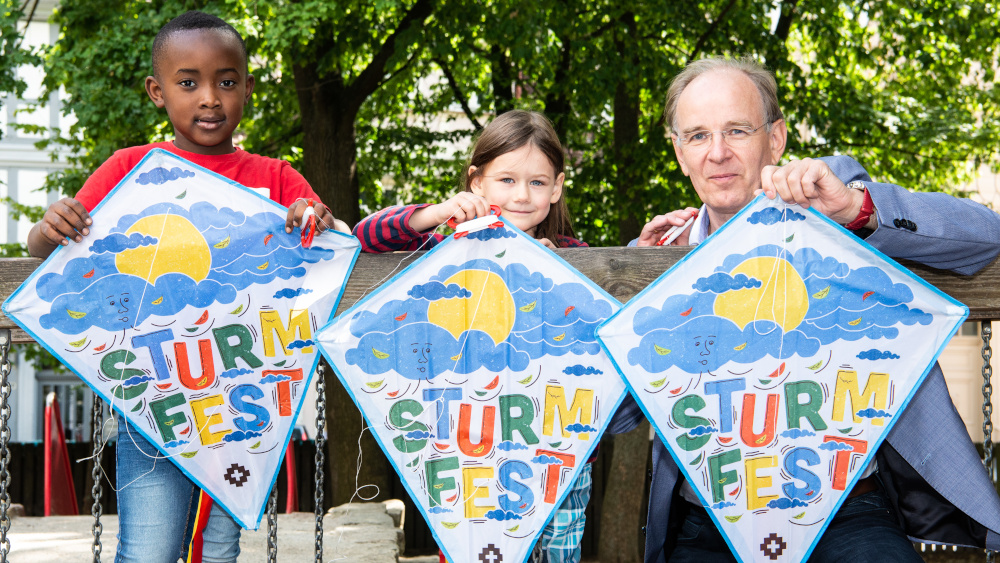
[
  {"x": 622, "y": 515},
  {"x": 629, "y": 183},
  {"x": 329, "y": 151}
]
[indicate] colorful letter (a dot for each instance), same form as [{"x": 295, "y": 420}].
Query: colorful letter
[
  {"x": 284, "y": 388},
  {"x": 238, "y": 399},
  {"x": 298, "y": 322},
  {"x": 725, "y": 389},
  {"x": 109, "y": 367},
  {"x": 165, "y": 421},
  {"x": 796, "y": 411},
  {"x": 152, "y": 342},
  {"x": 525, "y": 498},
  {"x": 811, "y": 480},
  {"x": 681, "y": 417},
  {"x": 719, "y": 478},
  {"x": 766, "y": 435},
  {"x": 243, "y": 348},
  {"x": 205, "y": 423},
  {"x": 582, "y": 410},
  {"x": 842, "y": 459},
  {"x": 396, "y": 411},
  {"x": 441, "y": 397},
  {"x": 847, "y": 383},
  {"x": 436, "y": 484},
  {"x": 472, "y": 491},
  {"x": 485, "y": 444},
  {"x": 756, "y": 482},
  {"x": 184, "y": 367},
  {"x": 553, "y": 471},
  {"x": 521, "y": 423}
]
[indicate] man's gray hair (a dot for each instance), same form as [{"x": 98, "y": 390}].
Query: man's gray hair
[{"x": 762, "y": 78}]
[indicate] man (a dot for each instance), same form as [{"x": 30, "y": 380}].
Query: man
[{"x": 927, "y": 482}]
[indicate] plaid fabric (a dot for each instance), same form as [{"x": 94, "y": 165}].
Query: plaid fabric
[{"x": 560, "y": 541}]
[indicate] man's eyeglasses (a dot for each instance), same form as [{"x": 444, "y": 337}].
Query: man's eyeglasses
[{"x": 736, "y": 136}]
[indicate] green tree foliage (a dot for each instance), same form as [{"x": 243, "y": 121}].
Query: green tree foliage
[
  {"x": 377, "y": 102},
  {"x": 12, "y": 52}
]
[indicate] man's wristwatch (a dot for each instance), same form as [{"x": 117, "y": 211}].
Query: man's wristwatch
[{"x": 867, "y": 207}]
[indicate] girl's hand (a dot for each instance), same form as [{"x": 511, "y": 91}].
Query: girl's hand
[
  {"x": 659, "y": 225},
  {"x": 64, "y": 220},
  {"x": 463, "y": 206},
  {"x": 324, "y": 218},
  {"x": 547, "y": 243}
]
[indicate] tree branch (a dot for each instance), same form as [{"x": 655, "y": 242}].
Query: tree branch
[
  {"x": 458, "y": 92},
  {"x": 700, "y": 44},
  {"x": 369, "y": 80}
]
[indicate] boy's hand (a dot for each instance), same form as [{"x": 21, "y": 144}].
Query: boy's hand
[
  {"x": 64, "y": 220},
  {"x": 324, "y": 218}
]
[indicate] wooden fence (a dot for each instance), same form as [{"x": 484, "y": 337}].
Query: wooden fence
[{"x": 622, "y": 272}]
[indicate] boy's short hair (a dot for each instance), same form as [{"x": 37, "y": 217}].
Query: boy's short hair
[{"x": 192, "y": 20}]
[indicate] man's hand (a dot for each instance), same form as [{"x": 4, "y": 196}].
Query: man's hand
[
  {"x": 324, "y": 218},
  {"x": 64, "y": 220},
  {"x": 659, "y": 225},
  {"x": 811, "y": 183}
]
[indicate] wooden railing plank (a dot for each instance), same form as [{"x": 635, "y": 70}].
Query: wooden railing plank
[{"x": 622, "y": 272}]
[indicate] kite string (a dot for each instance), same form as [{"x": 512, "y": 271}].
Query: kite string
[{"x": 407, "y": 256}]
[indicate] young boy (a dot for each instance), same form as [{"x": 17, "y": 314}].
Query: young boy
[{"x": 200, "y": 77}]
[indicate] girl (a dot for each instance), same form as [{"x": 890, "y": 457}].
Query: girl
[{"x": 516, "y": 164}]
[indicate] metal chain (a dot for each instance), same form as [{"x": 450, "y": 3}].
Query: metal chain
[
  {"x": 5, "y": 370},
  {"x": 272, "y": 526},
  {"x": 96, "y": 510},
  {"x": 987, "y": 332},
  {"x": 320, "y": 456}
]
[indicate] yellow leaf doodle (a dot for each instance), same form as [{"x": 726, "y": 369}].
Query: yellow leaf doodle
[{"x": 379, "y": 354}]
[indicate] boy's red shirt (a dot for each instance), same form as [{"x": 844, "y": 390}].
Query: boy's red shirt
[{"x": 285, "y": 184}]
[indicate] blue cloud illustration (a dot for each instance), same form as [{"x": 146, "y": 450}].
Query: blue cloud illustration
[
  {"x": 721, "y": 282},
  {"x": 578, "y": 428},
  {"x": 289, "y": 292},
  {"x": 842, "y": 304},
  {"x": 417, "y": 435},
  {"x": 582, "y": 370},
  {"x": 136, "y": 380},
  {"x": 771, "y": 216},
  {"x": 239, "y": 436},
  {"x": 546, "y": 460},
  {"x": 502, "y": 515},
  {"x": 235, "y": 372},
  {"x": 702, "y": 430},
  {"x": 873, "y": 413},
  {"x": 91, "y": 292},
  {"x": 274, "y": 378},
  {"x": 433, "y": 291},
  {"x": 175, "y": 444},
  {"x": 117, "y": 242},
  {"x": 490, "y": 234},
  {"x": 507, "y": 446},
  {"x": 794, "y": 433},
  {"x": 161, "y": 175},
  {"x": 723, "y": 504},
  {"x": 784, "y": 503},
  {"x": 549, "y": 319},
  {"x": 438, "y": 510},
  {"x": 836, "y": 446},
  {"x": 874, "y": 354},
  {"x": 296, "y": 344}
]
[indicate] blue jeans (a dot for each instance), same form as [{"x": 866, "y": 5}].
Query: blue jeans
[
  {"x": 157, "y": 506},
  {"x": 864, "y": 530}
]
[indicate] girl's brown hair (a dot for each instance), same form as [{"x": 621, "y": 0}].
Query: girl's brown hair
[{"x": 509, "y": 132}]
